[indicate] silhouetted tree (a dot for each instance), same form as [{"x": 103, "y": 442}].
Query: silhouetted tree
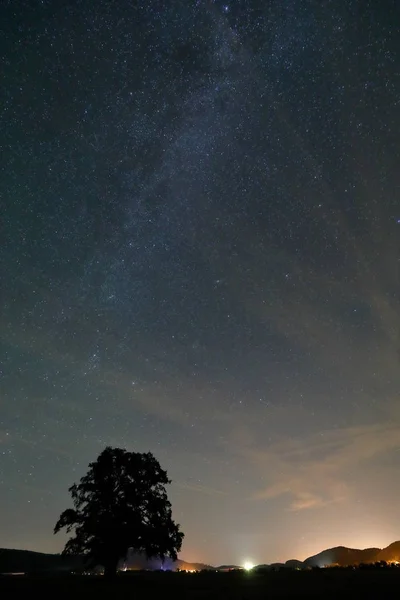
[{"x": 121, "y": 503}]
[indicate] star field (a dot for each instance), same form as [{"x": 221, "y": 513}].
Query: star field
[{"x": 200, "y": 258}]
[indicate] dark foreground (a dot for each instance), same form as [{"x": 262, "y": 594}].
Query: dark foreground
[{"x": 325, "y": 584}]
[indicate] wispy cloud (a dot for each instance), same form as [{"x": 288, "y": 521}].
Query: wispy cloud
[
  {"x": 346, "y": 319},
  {"x": 306, "y": 500},
  {"x": 200, "y": 489},
  {"x": 319, "y": 470}
]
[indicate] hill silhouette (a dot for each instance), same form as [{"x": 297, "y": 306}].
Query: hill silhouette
[
  {"x": 390, "y": 553},
  {"x": 342, "y": 556},
  {"x": 27, "y": 561},
  {"x": 294, "y": 563}
]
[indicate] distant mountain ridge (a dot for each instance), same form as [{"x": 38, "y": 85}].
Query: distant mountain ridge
[
  {"x": 26, "y": 561},
  {"x": 343, "y": 556},
  {"x": 340, "y": 556}
]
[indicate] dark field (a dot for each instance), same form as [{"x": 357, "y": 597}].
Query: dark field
[{"x": 326, "y": 584}]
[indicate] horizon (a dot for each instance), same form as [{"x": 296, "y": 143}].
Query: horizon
[
  {"x": 247, "y": 564},
  {"x": 200, "y": 259},
  {"x": 248, "y": 559}
]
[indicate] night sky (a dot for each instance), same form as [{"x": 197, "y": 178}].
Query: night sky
[{"x": 200, "y": 258}]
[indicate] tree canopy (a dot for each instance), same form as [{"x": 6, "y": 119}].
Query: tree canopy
[{"x": 121, "y": 504}]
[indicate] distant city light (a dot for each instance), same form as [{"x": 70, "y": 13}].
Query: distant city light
[{"x": 248, "y": 566}]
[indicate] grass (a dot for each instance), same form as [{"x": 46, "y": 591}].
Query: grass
[{"x": 327, "y": 584}]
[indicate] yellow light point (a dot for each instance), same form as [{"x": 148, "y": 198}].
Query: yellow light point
[{"x": 248, "y": 566}]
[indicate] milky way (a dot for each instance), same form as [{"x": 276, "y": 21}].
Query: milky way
[{"x": 200, "y": 258}]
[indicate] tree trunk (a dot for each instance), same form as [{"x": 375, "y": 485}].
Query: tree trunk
[{"x": 110, "y": 568}]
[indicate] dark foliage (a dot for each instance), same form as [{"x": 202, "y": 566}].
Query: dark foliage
[{"x": 121, "y": 503}]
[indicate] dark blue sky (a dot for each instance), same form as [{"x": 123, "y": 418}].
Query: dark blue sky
[{"x": 200, "y": 258}]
